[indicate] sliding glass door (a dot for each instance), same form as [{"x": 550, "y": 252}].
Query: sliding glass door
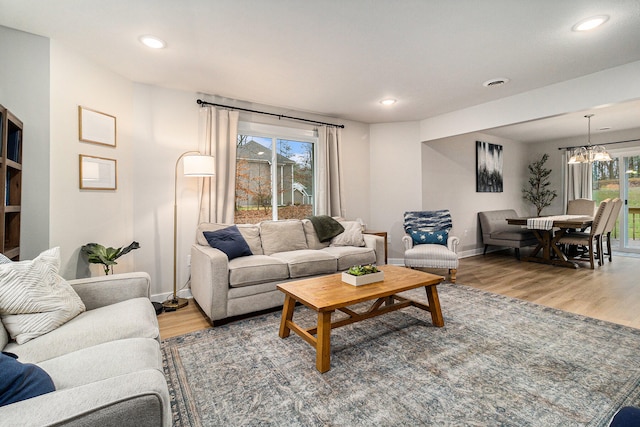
[
  {"x": 621, "y": 178},
  {"x": 630, "y": 234}
]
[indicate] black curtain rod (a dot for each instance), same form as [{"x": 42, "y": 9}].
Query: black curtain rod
[
  {"x": 604, "y": 143},
  {"x": 280, "y": 116}
]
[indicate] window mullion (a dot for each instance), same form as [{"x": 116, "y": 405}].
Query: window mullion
[{"x": 274, "y": 179}]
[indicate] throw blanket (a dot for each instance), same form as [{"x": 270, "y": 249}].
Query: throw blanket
[
  {"x": 326, "y": 227},
  {"x": 546, "y": 222}
]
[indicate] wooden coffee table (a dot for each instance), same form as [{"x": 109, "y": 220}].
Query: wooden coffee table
[{"x": 327, "y": 294}]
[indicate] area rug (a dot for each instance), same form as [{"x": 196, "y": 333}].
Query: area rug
[{"x": 497, "y": 361}]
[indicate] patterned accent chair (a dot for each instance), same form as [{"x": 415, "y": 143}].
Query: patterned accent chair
[{"x": 427, "y": 242}]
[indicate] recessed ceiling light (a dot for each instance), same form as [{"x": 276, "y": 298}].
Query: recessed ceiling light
[
  {"x": 496, "y": 82},
  {"x": 590, "y": 23},
  {"x": 153, "y": 42},
  {"x": 388, "y": 101}
]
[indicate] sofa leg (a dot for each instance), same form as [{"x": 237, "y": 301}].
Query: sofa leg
[
  {"x": 452, "y": 275},
  {"x": 485, "y": 249},
  {"x": 518, "y": 253}
]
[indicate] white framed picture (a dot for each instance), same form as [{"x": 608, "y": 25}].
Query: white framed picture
[
  {"x": 98, "y": 173},
  {"x": 96, "y": 127}
]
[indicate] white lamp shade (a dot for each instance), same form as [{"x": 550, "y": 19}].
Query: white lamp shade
[{"x": 199, "y": 165}]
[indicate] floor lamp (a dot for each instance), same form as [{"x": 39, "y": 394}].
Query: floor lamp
[{"x": 194, "y": 165}]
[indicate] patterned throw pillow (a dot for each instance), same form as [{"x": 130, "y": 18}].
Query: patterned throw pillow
[
  {"x": 34, "y": 299},
  {"x": 437, "y": 237}
]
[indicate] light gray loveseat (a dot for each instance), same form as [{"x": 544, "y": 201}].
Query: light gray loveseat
[
  {"x": 282, "y": 251},
  {"x": 497, "y": 232},
  {"x": 106, "y": 362}
]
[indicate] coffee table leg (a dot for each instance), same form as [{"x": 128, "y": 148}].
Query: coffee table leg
[
  {"x": 287, "y": 315},
  {"x": 434, "y": 306},
  {"x": 323, "y": 346}
]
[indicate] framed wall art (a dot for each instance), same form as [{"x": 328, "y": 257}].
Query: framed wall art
[
  {"x": 98, "y": 173},
  {"x": 96, "y": 127},
  {"x": 488, "y": 167}
]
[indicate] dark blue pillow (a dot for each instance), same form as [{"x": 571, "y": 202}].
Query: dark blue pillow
[
  {"x": 20, "y": 381},
  {"x": 230, "y": 241},
  {"x": 437, "y": 237}
]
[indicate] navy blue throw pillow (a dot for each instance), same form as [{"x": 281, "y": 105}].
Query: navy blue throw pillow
[
  {"x": 437, "y": 237},
  {"x": 230, "y": 241},
  {"x": 21, "y": 381}
]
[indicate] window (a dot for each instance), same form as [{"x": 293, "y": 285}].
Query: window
[{"x": 275, "y": 173}]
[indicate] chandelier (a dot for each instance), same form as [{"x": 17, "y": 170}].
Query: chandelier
[{"x": 589, "y": 153}]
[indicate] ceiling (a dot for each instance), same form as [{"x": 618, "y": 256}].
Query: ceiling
[{"x": 339, "y": 58}]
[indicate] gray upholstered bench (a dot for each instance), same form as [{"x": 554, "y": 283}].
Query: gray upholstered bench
[{"x": 496, "y": 231}]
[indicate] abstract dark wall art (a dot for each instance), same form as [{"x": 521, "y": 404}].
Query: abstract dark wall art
[{"x": 488, "y": 167}]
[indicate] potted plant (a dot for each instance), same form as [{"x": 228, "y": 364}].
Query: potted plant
[
  {"x": 537, "y": 192},
  {"x": 98, "y": 254},
  {"x": 362, "y": 275}
]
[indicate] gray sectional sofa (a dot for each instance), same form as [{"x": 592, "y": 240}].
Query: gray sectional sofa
[
  {"x": 105, "y": 363},
  {"x": 281, "y": 251}
]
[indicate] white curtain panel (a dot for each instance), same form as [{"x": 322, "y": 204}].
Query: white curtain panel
[
  {"x": 330, "y": 182},
  {"x": 578, "y": 180},
  {"x": 218, "y": 135}
]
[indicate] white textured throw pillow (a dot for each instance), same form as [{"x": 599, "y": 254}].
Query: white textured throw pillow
[
  {"x": 351, "y": 236},
  {"x": 34, "y": 299}
]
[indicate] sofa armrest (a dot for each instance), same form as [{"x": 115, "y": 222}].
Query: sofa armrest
[
  {"x": 210, "y": 280},
  {"x": 106, "y": 290},
  {"x": 377, "y": 243},
  {"x": 136, "y": 399}
]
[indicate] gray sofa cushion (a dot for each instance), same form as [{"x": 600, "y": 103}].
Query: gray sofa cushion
[
  {"x": 349, "y": 256},
  {"x": 282, "y": 236},
  {"x": 308, "y": 262},
  {"x": 103, "y": 361},
  {"x": 134, "y": 318},
  {"x": 312, "y": 237},
  {"x": 249, "y": 270},
  {"x": 250, "y": 232}
]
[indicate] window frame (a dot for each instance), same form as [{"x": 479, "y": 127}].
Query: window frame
[{"x": 282, "y": 133}]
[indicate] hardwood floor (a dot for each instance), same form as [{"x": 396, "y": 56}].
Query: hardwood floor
[
  {"x": 187, "y": 319},
  {"x": 610, "y": 292}
]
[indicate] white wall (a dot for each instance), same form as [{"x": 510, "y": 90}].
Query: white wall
[
  {"x": 449, "y": 182},
  {"x": 395, "y": 179},
  {"x": 79, "y": 216},
  {"x": 24, "y": 90},
  {"x": 166, "y": 125}
]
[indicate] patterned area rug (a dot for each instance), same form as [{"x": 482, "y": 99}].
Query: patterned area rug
[{"x": 498, "y": 361}]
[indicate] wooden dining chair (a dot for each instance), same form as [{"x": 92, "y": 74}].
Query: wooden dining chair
[
  {"x": 581, "y": 207},
  {"x": 610, "y": 225},
  {"x": 592, "y": 239}
]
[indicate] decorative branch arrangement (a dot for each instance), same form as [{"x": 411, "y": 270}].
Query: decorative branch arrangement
[{"x": 537, "y": 191}]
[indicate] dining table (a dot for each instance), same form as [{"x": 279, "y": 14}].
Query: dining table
[{"x": 548, "y": 230}]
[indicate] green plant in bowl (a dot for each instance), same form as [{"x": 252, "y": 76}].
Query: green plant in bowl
[{"x": 361, "y": 270}]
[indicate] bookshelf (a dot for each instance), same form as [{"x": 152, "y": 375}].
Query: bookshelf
[{"x": 11, "y": 180}]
